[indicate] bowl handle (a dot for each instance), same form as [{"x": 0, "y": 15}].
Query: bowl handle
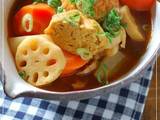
[
  {"x": 14, "y": 88},
  {"x": 158, "y": 7}
]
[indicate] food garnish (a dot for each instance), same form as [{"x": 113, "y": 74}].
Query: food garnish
[
  {"x": 112, "y": 25},
  {"x": 84, "y": 53},
  {"x": 101, "y": 74},
  {"x": 87, "y": 6},
  {"x": 60, "y": 9},
  {"x": 52, "y": 3},
  {"x": 73, "y": 19},
  {"x": 22, "y": 74}
]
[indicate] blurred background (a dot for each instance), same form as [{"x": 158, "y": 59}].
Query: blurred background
[{"x": 150, "y": 106}]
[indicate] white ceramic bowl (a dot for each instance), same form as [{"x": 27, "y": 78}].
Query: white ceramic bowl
[{"x": 14, "y": 86}]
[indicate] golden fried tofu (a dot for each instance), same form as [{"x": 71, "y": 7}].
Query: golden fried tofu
[
  {"x": 67, "y": 5},
  {"x": 72, "y": 30},
  {"x": 101, "y": 7}
]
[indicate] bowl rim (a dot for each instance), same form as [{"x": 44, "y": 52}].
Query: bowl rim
[{"x": 122, "y": 80}]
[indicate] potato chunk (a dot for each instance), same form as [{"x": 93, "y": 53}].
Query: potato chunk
[
  {"x": 117, "y": 42},
  {"x": 40, "y": 59},
  {"x": 133, "y": 29}
]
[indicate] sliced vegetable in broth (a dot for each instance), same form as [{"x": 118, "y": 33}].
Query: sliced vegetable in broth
[{"x": 98, "y": 41}]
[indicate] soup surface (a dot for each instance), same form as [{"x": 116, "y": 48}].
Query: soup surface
[{"x": 117, "y": 65}]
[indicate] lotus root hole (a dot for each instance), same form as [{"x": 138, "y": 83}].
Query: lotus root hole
[
  {"x": 51, "y": 62},
  {"x": 36, "y": 61},
  {"x": 23, "y": 63},
  {"x": 27, "y": 78},
  {"x": 46, "y": 51},
  {"x": 35, "y": 77},
  {"x": 24, "y": 52},
  {"x": 34, "y": 45},
  {"x": 45, "y": 73}
]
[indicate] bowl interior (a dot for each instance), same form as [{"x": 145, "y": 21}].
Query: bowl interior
[{"x": 14, "y": 85}]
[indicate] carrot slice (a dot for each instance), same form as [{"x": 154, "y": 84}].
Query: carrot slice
[
  {"x": 34, "y": 17},
  {"x": 74, "y": 62}
]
